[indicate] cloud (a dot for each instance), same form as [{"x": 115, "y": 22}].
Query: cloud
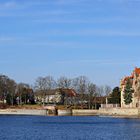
[
  {"x": 27, "y": 4},
  {"x": 108, "y": 32},
  {"x": 37, "y": 42},
  {"x": 8, "y": 5},
  {"x": 94, "y": 32},
  {"x": 119, "y": 19},
  {"x": 6, "y": 39},
  {"x": 64, "y": 2},
  {"x": 56, "y": 2},
  {"x": 76, "y": 21},
  {"x": 36, "y": 16},
  {"x": 99, "y": 62}
]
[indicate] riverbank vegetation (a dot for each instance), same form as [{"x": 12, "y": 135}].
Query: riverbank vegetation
[{"x": 23, "y": 95}]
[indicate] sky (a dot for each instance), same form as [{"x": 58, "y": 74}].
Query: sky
[{"x": 96, "y": 38}]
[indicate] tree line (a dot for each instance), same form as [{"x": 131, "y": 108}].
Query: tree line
[{"x": 22, "y": 93}]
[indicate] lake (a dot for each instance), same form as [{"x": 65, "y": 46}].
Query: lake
[{"x": 68, "y": 128}]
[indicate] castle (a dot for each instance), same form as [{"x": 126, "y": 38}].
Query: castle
[{"x": 135, "y": 83}]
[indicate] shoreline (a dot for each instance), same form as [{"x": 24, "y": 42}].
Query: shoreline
[
  {"x": 43, "y": 112},
  {"x": 37, "y": 112}
]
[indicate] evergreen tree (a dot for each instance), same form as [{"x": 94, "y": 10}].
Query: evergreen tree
[
  {"x": 128, "y": 93},
  {"x": 115, "y": 97}
]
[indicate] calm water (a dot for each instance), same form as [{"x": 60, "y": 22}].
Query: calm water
[{"x": 68, "y": 128}]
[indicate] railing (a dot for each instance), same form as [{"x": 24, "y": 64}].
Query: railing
[{"x": 110, "y": 105}]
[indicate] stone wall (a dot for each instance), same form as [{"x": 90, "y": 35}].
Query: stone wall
[
  {"x": 22, "y": 112},
  {"x": 124, "y": 112},
  {"x": 85, "y": 112},
  {"x": 64, "y": 112},
  {"x": 119, "y": 111},
  {"x": 128, "y": 112}
]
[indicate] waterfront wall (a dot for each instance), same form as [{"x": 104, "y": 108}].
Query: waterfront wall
[
  {"x": 124, "y": 112},
  {"x": 119, "y": 111},
  {"x": 85, "y": 112},
  {"x": 66, "y": 112},
  {"x": 22, "y": 112},
  {"x": 128, "y": 112}
]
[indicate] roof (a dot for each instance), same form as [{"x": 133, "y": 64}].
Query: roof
[
  {"x": 137, "y": 71},
  {"x": 69, "y": 92},
  {"x": 126, "y": 79}
]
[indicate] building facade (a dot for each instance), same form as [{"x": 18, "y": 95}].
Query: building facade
[
  {"x": 58, "y": 96},
  {"x": 134, "y": 80}
]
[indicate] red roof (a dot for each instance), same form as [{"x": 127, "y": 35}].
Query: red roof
[
  {"x": 125, "y": 80},
  {"x": 137, "y": 71},
  {"x": 66, "y": 91},
  {"x": 70, "y": 92}
]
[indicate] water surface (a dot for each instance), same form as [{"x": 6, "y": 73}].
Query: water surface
[{"x": 68, "y": 128}]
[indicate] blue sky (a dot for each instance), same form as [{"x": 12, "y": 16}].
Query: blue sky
[{"x": 96, "y": 38}]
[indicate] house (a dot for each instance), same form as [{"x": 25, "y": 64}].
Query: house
[
  {"x": 134, "y": 80},
  {"x": 59, "y": 96}
]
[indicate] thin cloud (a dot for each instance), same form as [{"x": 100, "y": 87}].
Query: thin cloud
[
  {"x": 55, "y": 2},
  {"x": 109, "y": 33},
  {"x": 98, "y": 20},
  {"x": 94, "y": 32},
  {"x": 8, "y": 5},
  {"x": 6, "y": 39},
  {"x": 27, "y": 4},
  {"x": 87, "y": 21},
  {"x": 39, "y": 16},
  {"x": 64, "y": 2},
  {"x": 36, "y": 42},
  {"x": 99, "y": 62}
]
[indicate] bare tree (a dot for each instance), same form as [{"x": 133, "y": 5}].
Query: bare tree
[
  {"x": 80, "y": 84},
  {"x": 103, "y": 90},
  {"x": 43, "y": 84},
  {"x": 7, "y": 89},
  {"x": 11, "y": 89},
  {"x": 40, "y": 86},
  {"x": 50, "y": 82},
  {"x": 107, "y": 90},
  {"x": 91, "y": 93},
  {"x": 64, "y": 82},
  {"x": 100, "y": 91},
  {"x": 21, "y": 90}
]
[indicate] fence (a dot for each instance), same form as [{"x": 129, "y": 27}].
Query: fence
[{"x": 110, "y": 105}]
